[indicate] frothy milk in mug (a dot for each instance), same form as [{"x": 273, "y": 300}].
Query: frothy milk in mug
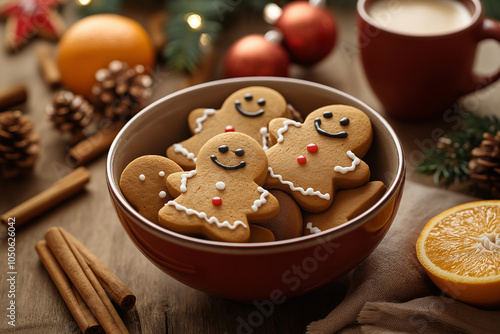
[{"x": 421, "y": 17}]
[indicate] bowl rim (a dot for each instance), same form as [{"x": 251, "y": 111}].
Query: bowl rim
[{"x": 266, "y": 247}]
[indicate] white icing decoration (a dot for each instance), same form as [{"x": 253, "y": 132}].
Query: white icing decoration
[
  {"x": 265, "y": 136},
  {"x": 285, "y": 128},
  {"x": 203, "y": 215},
  {"x": 162, "y": 194},
  {"x": 262, "y": 200},
  {"x": 178, "y": 148},
  {"x": 161, "y": 173},
  {"x": 201, "y": 119},
  {"x": 184, "y": 178},
  {"x": 220, "y": 185},
  {"x": 355, "y": 161},
  {"x": 313, "y": 229},
  {"x": 142, "y": 177},
  {"x": 308, "y": 191}
]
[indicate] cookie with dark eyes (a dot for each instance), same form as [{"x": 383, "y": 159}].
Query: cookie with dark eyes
[
  {"x": 224, "y": 194},
  {"x": 248, "y": 110},
  {"x": 311, "y": 160}
]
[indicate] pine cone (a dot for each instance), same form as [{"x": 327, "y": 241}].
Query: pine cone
[
  {"x": 19, "y": 148},
  {"x": 121, "y": 91},
  {"x": 484, "y": 166},
  {"x": 69, "y": 112}
]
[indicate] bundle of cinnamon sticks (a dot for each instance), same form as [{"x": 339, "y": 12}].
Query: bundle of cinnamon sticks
[{"x": 87, "y": 286}]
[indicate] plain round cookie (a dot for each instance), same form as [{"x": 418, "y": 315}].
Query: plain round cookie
[
  {"x": 288, "y": 224},
  {"x": 260, "y": 234}
]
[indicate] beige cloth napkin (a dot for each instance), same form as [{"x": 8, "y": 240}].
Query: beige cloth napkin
[{"x": 390, "y": 293}]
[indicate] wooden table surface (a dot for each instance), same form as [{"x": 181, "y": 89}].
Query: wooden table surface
[{"x": 163, "y": 304}]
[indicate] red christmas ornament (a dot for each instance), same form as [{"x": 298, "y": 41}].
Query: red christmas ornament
[
  {"x": 26, "y": 18},
  {"x": 309, "y": 32},
  {"x": 254, "y": 55}
]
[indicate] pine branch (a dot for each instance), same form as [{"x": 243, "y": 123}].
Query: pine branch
[
  {"x": 449, "y": 159},
  {"x": 184, "y": 50}
]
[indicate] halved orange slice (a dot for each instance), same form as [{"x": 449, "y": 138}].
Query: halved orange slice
[{"x": 460, "y": 251}]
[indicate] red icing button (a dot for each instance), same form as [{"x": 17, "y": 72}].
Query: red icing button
[
  {"x": 229, "y": 128},
  {"x": 301, "y": 159},
  {"x": 312, "y": 148},
  {"x": 217, "y": 201}
]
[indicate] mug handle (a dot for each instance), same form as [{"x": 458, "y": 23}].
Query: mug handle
[{"x": 491, "y": 30}]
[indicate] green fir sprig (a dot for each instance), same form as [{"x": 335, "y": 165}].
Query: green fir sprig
[
  {"x": 184, "y": 49},
  {"x": 448, "y": 160}
]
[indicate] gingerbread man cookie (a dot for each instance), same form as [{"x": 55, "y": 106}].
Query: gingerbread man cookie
[
  {"x": 348, "y": 203},
  {"x": 248, "y": 110},
  {"x": 223, "y": 194},
  {"x": 311, "y": 160},
  {"x": 144, "y": 184}
]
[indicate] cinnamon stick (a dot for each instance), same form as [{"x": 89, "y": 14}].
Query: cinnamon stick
[
  {"x": 119, "y": 293},
  {"x": 48, "y": 66},
  {"x": 80, "y": 311},
  {"x": 84, "y": 281},
  {"x": 93, "y": 146},
  {"x": 13, "y": 95},
  {"x": 58, "y": 192},
  {"x": 203, "y": 72}
]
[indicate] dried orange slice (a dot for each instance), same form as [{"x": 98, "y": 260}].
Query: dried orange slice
[{"x": 460, "y": 251}]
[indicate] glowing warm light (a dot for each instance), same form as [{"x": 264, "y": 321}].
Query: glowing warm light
[
  {"x": 205, "y": 40},
  {"x": 194, "y": 21},
  {"x": 272, "y": 12},
  {"x": 84, "y": 2}
]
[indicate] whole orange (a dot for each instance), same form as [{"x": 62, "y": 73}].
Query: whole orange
[{"x": 93, "y": 42}]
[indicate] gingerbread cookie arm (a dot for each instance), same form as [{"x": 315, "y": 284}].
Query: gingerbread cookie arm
[
  {"x": 184, "y": 153},
  {"x": 265, "y": 207},
  {"x": 177, "y": 182},
  {"x": 352, "y": 178},
  {"x": 278, "y": 127},
  {"x": 197, "y": 118},
  {"x": 346, "y": 205}
]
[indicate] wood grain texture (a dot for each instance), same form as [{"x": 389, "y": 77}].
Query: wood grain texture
[{"x": 163, "y": 304}]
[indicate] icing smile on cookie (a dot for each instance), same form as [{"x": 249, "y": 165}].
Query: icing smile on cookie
[
  {"x": 224, "y": 149},
  {"x": 261, "y": 102},
  {"x": 328, "y": 114}
]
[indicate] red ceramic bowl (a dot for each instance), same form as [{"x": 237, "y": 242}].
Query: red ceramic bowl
[{"x": 262, "y": 271}]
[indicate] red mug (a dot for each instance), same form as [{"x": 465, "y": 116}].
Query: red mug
[{"x": 417, "y": 77}]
